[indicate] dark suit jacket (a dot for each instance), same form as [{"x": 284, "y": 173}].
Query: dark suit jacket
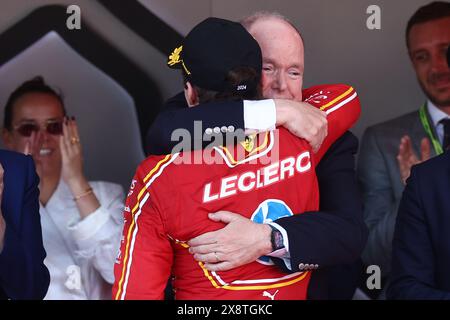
[
  {"x": 421, "y": 246},
  {"x": 335, "y": 235},
  {"x": 23, "y": 274}
]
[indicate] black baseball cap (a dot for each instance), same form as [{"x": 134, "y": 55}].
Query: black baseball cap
[{"x": 212, "y": 49}]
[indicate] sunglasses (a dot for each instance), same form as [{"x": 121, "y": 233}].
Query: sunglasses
[{"x": 27, "y": 129}]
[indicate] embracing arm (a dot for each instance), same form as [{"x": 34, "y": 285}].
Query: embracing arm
[
  {"x": 176, "y": 115},
  {"x": 302, "y": 119},
  {"x": 334, "y": 235}
]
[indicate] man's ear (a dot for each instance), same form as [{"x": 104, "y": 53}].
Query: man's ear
[{"x": 190, "y": 94}]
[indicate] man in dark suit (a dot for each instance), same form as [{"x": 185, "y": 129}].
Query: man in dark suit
[
  {"x": 23, "y": 274},
  {"x": 421, "y": 245},
  {"x": 333, "y": 236}
]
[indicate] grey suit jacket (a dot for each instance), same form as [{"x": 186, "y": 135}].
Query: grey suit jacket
[{"x": 381, "y": 185}]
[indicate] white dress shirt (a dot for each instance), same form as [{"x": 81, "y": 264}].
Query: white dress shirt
[
  {"x": 259, "y": 115},
  {"x": 81, "y": 252}
]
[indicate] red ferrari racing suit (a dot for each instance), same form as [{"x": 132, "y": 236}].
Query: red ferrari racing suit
[{"x": 268, "y": 176}]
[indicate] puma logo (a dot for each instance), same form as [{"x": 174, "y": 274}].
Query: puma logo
[{"x": 271, "y": 296}]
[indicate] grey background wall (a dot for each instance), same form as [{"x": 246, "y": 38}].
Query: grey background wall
[{"x": 339, "y": 47}]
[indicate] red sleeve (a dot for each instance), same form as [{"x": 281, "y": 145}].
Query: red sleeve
[
  {"x": 145, "y": 258},
  {"x": 341, "y": 103}
]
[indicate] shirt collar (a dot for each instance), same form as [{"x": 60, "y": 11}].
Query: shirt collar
[
  {"x": 60, "y": 196},
  {"x": 436, "y": 114}
]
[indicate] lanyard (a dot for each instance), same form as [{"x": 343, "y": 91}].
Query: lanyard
[{"x": 426, "y": 125}]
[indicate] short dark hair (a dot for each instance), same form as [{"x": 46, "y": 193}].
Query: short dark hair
[
  {"x": 239, "y": 76},
  {"x": 35, "y": 85},
  {"x": 432, "y": 11}
]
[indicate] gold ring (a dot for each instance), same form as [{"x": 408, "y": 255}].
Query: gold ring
[
  {"x": 74, "y": 140},
  {"x": 217, "y": 258}
]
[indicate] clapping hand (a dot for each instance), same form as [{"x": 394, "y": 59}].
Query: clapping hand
[{"x": 407, "y": 158}]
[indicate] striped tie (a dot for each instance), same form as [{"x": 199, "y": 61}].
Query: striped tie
[{"x": 446, "y": 141}]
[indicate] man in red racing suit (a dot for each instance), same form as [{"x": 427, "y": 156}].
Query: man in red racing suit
[{"x": 269, "y": 177}]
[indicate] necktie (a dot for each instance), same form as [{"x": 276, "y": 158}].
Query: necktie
[{"x": 446, "y": 141}]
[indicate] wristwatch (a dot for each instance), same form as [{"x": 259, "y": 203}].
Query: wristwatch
[{"x": 276, "y": 238}]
